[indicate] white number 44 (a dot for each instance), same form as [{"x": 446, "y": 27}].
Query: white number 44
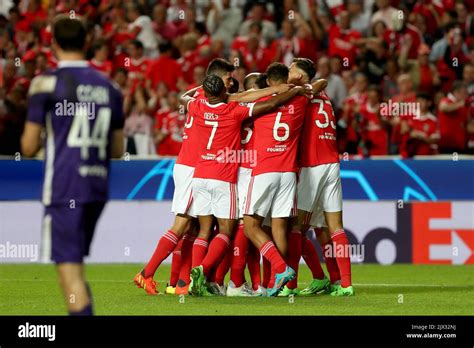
[{"x": 80, "y": 135}]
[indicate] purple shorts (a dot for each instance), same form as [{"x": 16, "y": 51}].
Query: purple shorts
[{"x": 68, "y": 232}]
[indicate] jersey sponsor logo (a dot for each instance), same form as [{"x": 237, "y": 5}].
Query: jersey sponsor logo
[{"x": 97, "y": 170}]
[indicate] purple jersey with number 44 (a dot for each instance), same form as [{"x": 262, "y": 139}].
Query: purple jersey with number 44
[{"x": 79, "y": 108}]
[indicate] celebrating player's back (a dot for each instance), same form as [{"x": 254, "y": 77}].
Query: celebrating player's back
[{"x": 82, "y": 113}]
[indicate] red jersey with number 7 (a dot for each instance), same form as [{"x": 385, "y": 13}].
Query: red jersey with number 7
[
  {"x": 189, "y": 149},
  {"x": 318, "y": 139},
  {"x": 218, "y": 126},
  {"x": 276, "y": 137}
]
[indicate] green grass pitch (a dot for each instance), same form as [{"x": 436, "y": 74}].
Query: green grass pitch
[{"x": 380, "y": 290}]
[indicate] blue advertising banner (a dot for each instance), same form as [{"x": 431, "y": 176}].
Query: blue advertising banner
[{"x": 373, "y": 180}]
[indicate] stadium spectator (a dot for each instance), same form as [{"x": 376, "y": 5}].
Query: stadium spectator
[
  {"x": 141, "y": 27},
  {"x": 358, "y": 42},
  {"x": 336, "y": 90},
  {"x": 168, "y": 128},
  {"x": 257, "y": 15},
  {"x": 453, "y": 118},
  {"x": 99, "y": 60},
  {"x": 419, "y": 135},
  {"x": 223, "y": 21},
  {"x": 138, "y": 125}
]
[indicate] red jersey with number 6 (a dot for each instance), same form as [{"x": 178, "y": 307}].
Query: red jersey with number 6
[
  {"x": 276, "y": 137},
  {"x": 218, "y": 144},
  {"x": 318, "y": 139}
]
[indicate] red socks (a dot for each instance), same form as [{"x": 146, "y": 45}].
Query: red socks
[
  {"x": 241, "y": 244},
  {"x": 340, "y": 243},
  {"x": 331, "y": 263},
  {"x": 176, "y": 264},
  {"x": 186, "y": 258},
  {"x": 216, "y": 251},
  {"x": 223, "y": 267},
  {"x": 165, "y": 246},
  {"x": 271, "y": 253},
  {"x": 267, "y": 272},
  {"x": 253, "y": 263},
  {"x": 311, "y": 258},
  {"x": 294, "y": 255},
  {"x": 200, "y": 247}
]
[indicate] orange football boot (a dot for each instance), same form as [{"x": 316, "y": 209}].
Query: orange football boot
[{"x": 148, "y": 284}]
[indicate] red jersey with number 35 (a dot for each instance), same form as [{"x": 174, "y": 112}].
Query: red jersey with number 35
[
  {"x": 218, "y": 126},
  {"x": 318, "y": 138},
  {"x": 246, "y": 140},
  {"x": 188, "y": 154},
  {"x": 276, "y": 137}
]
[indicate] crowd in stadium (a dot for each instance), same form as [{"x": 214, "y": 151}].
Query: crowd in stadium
[{"x": 400, "y": 73}]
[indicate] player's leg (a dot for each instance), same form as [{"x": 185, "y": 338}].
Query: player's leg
[
  {"x": 253, "y": 264},
  {"x": 70, "y": 232},
  {"x": 182, "y": 206},
  {"x": 283, "y": 273},
  {"x": 75, "y": 289},
  {"x": 186, "y": 260},
  {"x": 267, "y": 281},
  {"x": 175, "y": 268},
  {"x": 319, "y": 282},
  {"x": 224, "y": 207},
  {"x": 165, "y": 247},
  {"x": 332, "y": 204},
  {"x": 324, "y": 239},
  {"x": 240, "y": 243}
]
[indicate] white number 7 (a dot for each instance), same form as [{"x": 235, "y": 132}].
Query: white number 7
[{"x": 214, "y": 125}]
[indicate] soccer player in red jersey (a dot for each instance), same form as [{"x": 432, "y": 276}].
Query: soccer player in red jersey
[
  {"x": 272, "y": 189},
  {"x": 319, "y": 183},
  {"x": 182, "y": 204},
  {"x": 241, "y": 253},
  {"x": 215, "y": 176}
]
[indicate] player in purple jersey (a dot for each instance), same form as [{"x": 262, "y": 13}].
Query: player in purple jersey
[{"x": 81, "y": 111}]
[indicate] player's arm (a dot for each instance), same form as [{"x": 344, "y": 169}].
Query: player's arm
[
  {"x": 38, "y": 96},
  {"x": 117, "y": 146},
  {"x": 187, "y": 97},
  {"x": 31, "y": 139},
  {"x": 263, "y": 107},
  {"x": 251, "y": 96},
  {"x": 319, "y": 85},
  {"x": 450, "y": 107}
]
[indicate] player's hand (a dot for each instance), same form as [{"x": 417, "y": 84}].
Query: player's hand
[{"x": 302, "y": 91}]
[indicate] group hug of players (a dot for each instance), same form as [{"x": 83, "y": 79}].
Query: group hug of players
[{"x": 257, "y": 170}]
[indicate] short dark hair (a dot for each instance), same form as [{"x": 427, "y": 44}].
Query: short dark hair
[
  {"x": 235, "y": 86},
  {"x": 213, "y": 85},
  {"x": 97, "y": 45},
  {"x": 250, "y": 79},
  {"x": 219, "y": 67},
  {"x": 164, "y": 47},
  {"x": 261, "y": 81},
  {"x": 307, "y": 65},
  {"x": 424, "y": 95},
  {"x": 70, "y": 34},
  {"x": 138, "y": 44},
  {"x": 277, "y": 72}
]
